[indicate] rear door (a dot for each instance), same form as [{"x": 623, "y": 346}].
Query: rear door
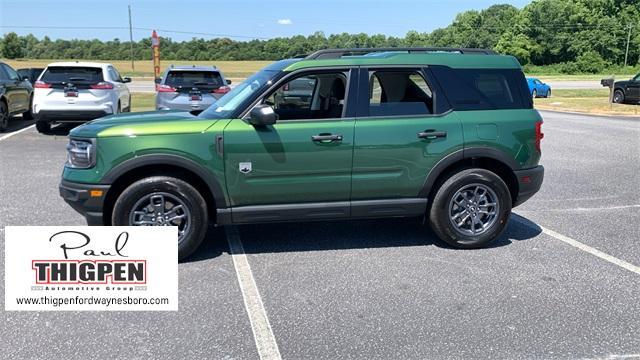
[
  {"x": 402, "y": 130},
  {"x": 304, "y": 159},
  {"x": 121, "y": 88}
]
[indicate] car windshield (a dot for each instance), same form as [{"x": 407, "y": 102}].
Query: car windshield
[
  {"x": 191, "y": 78},
  {"x": 231, "y": 102},
  {"x": 63, "y": 74}
]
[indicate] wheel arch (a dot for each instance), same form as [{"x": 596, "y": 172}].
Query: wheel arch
[
  {"x": 167, "y": 165},
  {"x": 484, "y": 158}
]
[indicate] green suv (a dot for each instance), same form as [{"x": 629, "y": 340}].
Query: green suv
[{"x": 446, "y": 134}]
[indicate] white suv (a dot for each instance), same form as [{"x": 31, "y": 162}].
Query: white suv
[{"x": 78, "y": 92}]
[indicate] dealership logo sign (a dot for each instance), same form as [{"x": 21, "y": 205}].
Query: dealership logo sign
[{"x": 91, "y": 268}]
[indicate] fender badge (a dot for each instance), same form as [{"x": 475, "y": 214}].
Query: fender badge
[{"x": 245, "y": 167}]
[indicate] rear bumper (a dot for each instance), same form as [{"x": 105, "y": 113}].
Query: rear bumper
[
  {"x": 81, "y": 200},
  {"x": 70, "y": 115},
  {"x": 529, "y": 182}
]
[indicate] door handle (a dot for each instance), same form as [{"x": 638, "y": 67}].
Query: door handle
[
  {"x": 326, "y": 138},
  {"x": 432, "y": 134}
]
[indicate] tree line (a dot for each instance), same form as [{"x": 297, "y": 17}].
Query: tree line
[{"x": 571, "y": 35}]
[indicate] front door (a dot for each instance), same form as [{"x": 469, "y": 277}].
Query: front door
[
  {"x": 634, "y": 89},
  {"x": 303, "y": 161},
  {"x": 403, "y": 130}
]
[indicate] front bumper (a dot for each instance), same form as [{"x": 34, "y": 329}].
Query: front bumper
[
  {"x": 529, "y": 182},
  {"x": 84, "y": 199}
]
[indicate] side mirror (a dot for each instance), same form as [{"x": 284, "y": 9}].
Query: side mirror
[
  {"x": 126, "y": 80},
  {"x": 262, "y": 115},
  {"x": 228, "y": 82}
]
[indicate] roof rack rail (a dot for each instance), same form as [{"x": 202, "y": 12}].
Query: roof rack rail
[{"x": 337, "y": 53}]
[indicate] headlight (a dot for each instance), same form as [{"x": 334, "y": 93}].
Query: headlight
[{"x": 81, "y": 154}]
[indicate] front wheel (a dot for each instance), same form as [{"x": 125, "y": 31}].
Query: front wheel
[
  {"x": 548, "y": 94},
  {"x": 470, "y": 209},
  {"x": 535, "y": 94},
  {"x": 164, "y": 201},
  {"x": 618, "y": 97},
  {"x": 43, "y": 127}
]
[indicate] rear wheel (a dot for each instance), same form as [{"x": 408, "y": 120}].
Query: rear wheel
[
  {"x": 470, "y": 209},
  {"x": 164, "y": 201},
  {"x": 618, "y": 97},
  {"x": 43, "y": 127},
  {"x": 4, "y": 116}
]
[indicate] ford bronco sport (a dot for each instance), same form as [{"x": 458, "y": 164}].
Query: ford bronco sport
[{"x": 446, "y": 134}]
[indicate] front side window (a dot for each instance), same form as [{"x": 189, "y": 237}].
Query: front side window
[
  {"x": 399, "y": 93},
  {"x": 310, "y": 96},
  {"x": 13, "y": 75}
]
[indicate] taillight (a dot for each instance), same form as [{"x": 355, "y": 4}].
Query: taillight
[
  {"x": 222, "y": 90},
  {"x": 539, "y": 135},
  {"x": 102, "y": 86},
  {"x": 165, "y": 88},
  {"x": 41, "y": 85}
]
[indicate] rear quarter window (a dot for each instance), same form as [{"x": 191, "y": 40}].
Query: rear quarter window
[
  {"x": 59, "y": 74},
  {"x": 483, "y": 89}
]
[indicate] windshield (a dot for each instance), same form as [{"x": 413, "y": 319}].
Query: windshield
[
  {"x": 229, "y": 103},
  {"x": 182, "y": 78}
]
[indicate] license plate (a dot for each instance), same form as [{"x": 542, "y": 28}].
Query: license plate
[
  {"x": 196, "y": 97},
  {"x": 71, "y": 94}
]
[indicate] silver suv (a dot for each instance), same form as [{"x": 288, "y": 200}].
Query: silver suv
[{"x": 190, "y": 88}]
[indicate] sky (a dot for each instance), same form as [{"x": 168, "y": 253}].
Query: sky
[{"x": 236, "y": 19}]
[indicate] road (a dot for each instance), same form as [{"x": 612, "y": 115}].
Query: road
[
  {"x": 147, "y": 86},
  {"x": 554, "y": 286}
]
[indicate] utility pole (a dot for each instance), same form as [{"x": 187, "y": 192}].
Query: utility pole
[
  {"x": 626, "y": 54},
  {"x": 131, "y": 40}
]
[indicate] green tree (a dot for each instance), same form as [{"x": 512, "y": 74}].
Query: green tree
[{"x": 12, "y": 46}]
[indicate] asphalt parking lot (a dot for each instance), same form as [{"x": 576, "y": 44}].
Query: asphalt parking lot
[{"x": 563, "y": 282}]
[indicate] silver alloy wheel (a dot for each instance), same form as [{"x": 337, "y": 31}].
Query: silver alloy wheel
[
  {"x": 473, "y": 209},
  {"x": 161, "y": 209},
  {"x": 618, "y": 97}
]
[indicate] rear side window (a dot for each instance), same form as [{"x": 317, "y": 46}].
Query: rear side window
[
  {"x": 178, "y": 79},
  {"x": 399, "y": 93},
  {"x": 483, "y": 89},
  {"x": 64, "y": 74}
]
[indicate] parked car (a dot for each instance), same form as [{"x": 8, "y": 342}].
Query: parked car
[
  {"x": 15, "y": 95},
  {"x": 538, "y": 89},
  {"x": 31, "y": 74},
  {"x": 422, "y": 133},
  {"x": 628, "y": 91},
  {"x": 78, "y": 92},
  {"x": 190, "y": 88}
]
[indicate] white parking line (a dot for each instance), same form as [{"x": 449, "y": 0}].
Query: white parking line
[
  {"x": 16, "y": 132},
  {"x": 262, "y": 333},
  {"x": 577, "y": 244}
]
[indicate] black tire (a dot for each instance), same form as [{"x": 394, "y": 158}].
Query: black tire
[
  {"x": 535, "y": 93},
  {"x": 43, "y": 127},
  {"x": 128, "y": 108},
  {"x": 4, "y": 116},
  {"x": 618, "y": 96},
  {"x": 187, "y": 194},
  {"x": 28, "y": 115},
  {"x": 440, "y": 208},
  {"x": 548, "y": 94}
]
